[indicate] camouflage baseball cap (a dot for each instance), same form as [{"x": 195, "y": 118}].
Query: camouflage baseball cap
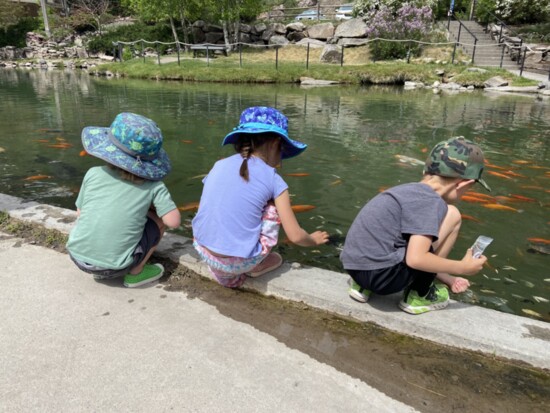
[{"x": 457, "y": 158}]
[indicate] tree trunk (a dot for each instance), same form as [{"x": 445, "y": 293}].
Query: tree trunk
[
  {"x": 174, "y": 32},
  {"x": 185, "y": 29},
  {"x": 226, "y": 35}
]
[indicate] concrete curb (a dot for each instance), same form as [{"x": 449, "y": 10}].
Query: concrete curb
[{"x": 460, "y": 325}]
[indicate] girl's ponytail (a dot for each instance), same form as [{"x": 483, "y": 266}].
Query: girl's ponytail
[{"x": 245, "y": 147}]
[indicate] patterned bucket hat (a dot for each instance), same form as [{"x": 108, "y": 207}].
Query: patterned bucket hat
[
  {"x": 457, "y": 158},
  {"x": 262, "y": 119},
  {"x": 132, "y": 142}
]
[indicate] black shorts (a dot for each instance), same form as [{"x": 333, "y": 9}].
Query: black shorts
[
  {"x": 149, "y": 239},
  {"x": 393, "y": 279}
]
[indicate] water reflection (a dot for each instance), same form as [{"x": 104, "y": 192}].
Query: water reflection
[{"x": 354, "y": 135}]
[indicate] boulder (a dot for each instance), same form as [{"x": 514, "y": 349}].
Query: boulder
[
  {"x": 321, "y": 31},
  {"x": 495, "y": 81},
  {"x": 331, "y": 54},
  {"x": 278, "y": 40},
  {"x": 213, "y": 37},
  {"x": 296, "y": 27},
  {"x": 313, "y": 43},
  {"x": 352, "y": 42},
  {"x": 352, "y": 28},
  {"x": 296, "y": 36}
]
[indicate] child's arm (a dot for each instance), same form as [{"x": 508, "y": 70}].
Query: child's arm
[
  {"x": 456, "y": 284},
  {"x": 172, "y": 219},
  {"x": 295, "y": 233},
  {"x": 420, "y": 258}
]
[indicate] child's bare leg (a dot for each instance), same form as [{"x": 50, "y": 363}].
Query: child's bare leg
[{"x": 138, "y": 268}]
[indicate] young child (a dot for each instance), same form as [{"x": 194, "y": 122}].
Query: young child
[
  {"x": 123, "y": 207},
  {"x": 244, "y": 201},
  {"x": 401, "y": 238}
]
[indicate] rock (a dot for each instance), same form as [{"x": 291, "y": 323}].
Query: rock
[
  {"x": 296, "y": 27},
  {"x": 321, "y": 31},
  {"x": 278, "y": 40},
  {"x": 278, "y": 28},
  {"x": 476, "y": 69},
  {"x": 352, "y": 42},
  {"x": 440, "y": 72},
  {"x": 313, "y": 43},
  {"x": 495, "y": 81},
  {"x": 352, "y": 28},
  {"x": 514, "y": 89},
  {"x": 308, "y": 81},
  {"x": 331, "y": 54}
]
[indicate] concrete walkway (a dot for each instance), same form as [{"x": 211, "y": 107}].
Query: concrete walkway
[
  {"x": 460, "y": 325},
  {"x": 68, "y": 343}
]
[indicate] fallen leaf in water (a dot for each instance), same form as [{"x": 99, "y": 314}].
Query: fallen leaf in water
[
  {"x": 540, "y": 299},
  {"x": 531, "y": 312}
]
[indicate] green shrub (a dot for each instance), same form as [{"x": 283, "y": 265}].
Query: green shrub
[
  {"x": 15, "y": 35},
  {"x": 131, "y": 33}
]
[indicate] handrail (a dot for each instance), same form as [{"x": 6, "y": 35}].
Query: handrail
[
  {"x": 451, "y": 14},
  {"x": 502, "y": 26}
]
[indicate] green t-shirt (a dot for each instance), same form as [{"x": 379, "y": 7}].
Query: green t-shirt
[{"x": 113, "y": 213}]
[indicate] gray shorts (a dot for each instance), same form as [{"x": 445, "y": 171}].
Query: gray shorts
[{"x": 149, "y": 239}]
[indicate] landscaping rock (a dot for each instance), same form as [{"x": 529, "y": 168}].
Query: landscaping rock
[
  {"x": 352, "y": 42},
  {"x": 321, "y": 31},
  {"x": 313, "y": 43},
  {"x": 331, "y": 54},
  {"x": 495, "y": 81},
  {"x": 352, "y": 28},
  {"x": 278, "y": 40}
]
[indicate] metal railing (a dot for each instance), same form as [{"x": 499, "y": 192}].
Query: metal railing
[{"x": 461, "y": 25}]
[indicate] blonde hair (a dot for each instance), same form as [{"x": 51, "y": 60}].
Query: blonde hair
[
  {"x": 248, "y": 144},
  {"x": 127, "y": 176}
]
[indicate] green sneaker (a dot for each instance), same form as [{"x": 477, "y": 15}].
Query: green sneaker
[
  {"x": 150, "y": 273},
  {"x": 358, "y": 293},
  {"x": 436, "y": 299}
]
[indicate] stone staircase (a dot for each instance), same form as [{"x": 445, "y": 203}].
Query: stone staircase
[{"x": 488, "y": 52}]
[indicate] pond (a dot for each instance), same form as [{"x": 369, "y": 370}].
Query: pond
[{"x": 360, "y": 141}]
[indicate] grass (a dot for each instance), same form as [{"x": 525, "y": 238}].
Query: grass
[{"x": 288, "y": 65}]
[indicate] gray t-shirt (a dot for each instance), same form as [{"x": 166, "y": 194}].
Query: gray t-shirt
[{"x": 379, "y": 234}]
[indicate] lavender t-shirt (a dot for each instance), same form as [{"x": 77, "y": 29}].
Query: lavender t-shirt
[
  {"x": 379, "y": 234},
  {"x": 229, "y": 218}
]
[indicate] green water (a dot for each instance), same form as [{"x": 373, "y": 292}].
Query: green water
[{"x": 353, "y": 134}]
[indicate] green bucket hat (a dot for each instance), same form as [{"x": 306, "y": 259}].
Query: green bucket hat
[{"x": 457, "y": 158}]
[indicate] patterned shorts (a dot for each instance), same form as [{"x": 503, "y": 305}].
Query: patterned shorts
[{"x": 231, "y": 271}]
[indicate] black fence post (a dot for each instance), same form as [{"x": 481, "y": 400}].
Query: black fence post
[
  {"x": 474, "y": 51},
  {"x": 240, "y": 55},
  {"x": 307, "y": 57},
  {"x": 276, "y": 58},
  {"x": 207, "y": 57},
  {"x": 454, "y": 52},
  {"x": 501, "y": 56},
  {"x": 143, "y": 50},
  {"x": 120, "y": 50},
  {"x": 158, "y": 52},
  {"x": 523, "y": 61},
  {"x": 178, "y": 49},
  {"x": 115, "y": 45}
]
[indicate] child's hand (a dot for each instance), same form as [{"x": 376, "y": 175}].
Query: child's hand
[
  {"x": 472, "y": 265},
  {"x": 459, "y": 285},
  {"x": 319, "y": 237}
]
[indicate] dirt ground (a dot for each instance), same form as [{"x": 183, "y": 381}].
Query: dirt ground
[{"x": 426, "y": 376}]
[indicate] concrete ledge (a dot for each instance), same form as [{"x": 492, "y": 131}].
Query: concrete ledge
[{"x": 460, "y": 325}]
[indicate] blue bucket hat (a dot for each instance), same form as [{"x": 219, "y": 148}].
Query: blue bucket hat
[
  {"x": 262, "y": 119},
  {"x": 132, "y": 142}
]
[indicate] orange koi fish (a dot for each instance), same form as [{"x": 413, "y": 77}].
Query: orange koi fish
[
  {"x": 336, "y": 182},
  {"x": 502, "y": 198},
  {"x": 539, "y": 241},
  {"x": 474, "y": 199},
  {"x": 531, "y": 187},
  {"x": 186, "y": 141},
  {"x": 537, "y": 167},
  {"x": 490, "y": 165},
  {"x": 480, "y": 195},
  {"x": 60, "y": 139},
  {"x": 424, "y": 150},
  {"x": 522, "y": 198},
  {"x": 83, "y": 153},
  {"x": 36, "y": 177},
  {"x": 298, "y": 174},
  {"x": 512, "y": 173},
  {"x": 42, "y": 140},
  {"x": 191, "y": 206},
  {"x": 498, "y": 174},
  {"x": 500, "y": 207},
  {"x": 60, "y": 145},
  {"x": 302, "y": 208},
  {"x": 521, "y": 162},
  {"x": 469, "y": 218}
]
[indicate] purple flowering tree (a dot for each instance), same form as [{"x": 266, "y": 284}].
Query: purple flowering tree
[{"x": 397, "y": 29}]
